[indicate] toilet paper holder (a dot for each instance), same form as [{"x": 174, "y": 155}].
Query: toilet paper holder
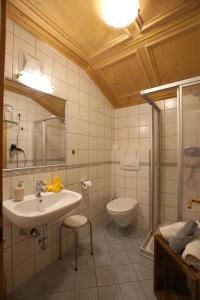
[{"x": 85, "y": 184}]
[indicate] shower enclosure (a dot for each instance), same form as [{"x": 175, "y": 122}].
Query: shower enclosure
[
  {"x": 49, "y": 141},
  {"x": 187, "y": 94}
]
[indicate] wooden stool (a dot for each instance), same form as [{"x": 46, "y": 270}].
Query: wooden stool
[{"x": 75, "y": 222}]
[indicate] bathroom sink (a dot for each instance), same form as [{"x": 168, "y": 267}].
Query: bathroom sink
[{"x": 36, "y": 211}]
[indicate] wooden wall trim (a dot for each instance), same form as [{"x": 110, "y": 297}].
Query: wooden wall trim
[
  {"x": 121, "y": 39},
  {"x": 2, "y": 62},
  {"x": 53, "y": 104},
  {"x": 43, "y": 32},
  {"x": 137, "y": 99},
  {"x": 101, "y": 83},
  {"x": 43, "y": 21},
  {"x": 139, "y": 57},
  {"x": 148, "y": 67}
]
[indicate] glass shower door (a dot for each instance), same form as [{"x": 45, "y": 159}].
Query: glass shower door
[{"x": 191, "y": 149}]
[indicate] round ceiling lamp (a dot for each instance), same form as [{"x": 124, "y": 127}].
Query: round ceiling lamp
[{"x": 120, "y": 13}]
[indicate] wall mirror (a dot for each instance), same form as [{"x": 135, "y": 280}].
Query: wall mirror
[{"x": 34, "y": 128}]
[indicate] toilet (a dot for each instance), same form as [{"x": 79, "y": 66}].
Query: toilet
[{"x": 122, "y": 211}]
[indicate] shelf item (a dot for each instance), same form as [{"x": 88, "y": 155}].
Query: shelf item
[
  {"x": 7, "y": 112},
  {"x": 9, "y": 124}
]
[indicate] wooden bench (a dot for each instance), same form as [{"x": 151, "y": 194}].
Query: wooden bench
[{"x": 173, "y": 278}]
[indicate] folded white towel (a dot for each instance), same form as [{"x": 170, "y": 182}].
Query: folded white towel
[
  {"x": 191, "y": 254},
  {"x": 171, "y": 230}
]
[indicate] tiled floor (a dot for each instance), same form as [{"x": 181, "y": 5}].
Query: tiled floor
[{"x": 115, "y": 272}]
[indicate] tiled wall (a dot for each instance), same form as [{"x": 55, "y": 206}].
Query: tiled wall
[
  {"x": 132, "y": 138},
  {"x": 89, "y": 133},
  {"x": 168, "y": 200}
]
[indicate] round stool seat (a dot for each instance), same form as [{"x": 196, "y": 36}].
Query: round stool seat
[{"x": 75, "y": 221}]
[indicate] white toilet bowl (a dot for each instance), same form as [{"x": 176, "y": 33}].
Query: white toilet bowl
[{"x": 122, "y": 211}]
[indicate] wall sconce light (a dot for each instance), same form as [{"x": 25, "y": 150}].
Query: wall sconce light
[{"x": 32, "y": 76}]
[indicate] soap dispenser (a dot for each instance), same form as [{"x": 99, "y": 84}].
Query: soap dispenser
[{"x": 19, "y": 191}]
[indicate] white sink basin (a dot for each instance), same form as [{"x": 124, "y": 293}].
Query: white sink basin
[{"x": 34, "y": 212}]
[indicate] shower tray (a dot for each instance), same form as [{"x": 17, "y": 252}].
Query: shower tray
[{"x": 147, "y": 249}]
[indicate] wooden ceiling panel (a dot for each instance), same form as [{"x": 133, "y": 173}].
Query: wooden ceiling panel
[
  {"x": 177, "y": 57},
  {"x": 161, "y": 46},
  {"x": 81, "y": 20},
  {"x": 151, "y": 9},
  {"x": 125, "y": 77}
]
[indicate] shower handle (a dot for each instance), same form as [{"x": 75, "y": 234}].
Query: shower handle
[{"x": 193, "y": 200}]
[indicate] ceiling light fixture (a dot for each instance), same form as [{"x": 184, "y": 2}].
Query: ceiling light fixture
[{"x": 120, "y": 13}]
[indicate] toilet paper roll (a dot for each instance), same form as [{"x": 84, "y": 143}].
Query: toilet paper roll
[{"x": 86, "y": 184}]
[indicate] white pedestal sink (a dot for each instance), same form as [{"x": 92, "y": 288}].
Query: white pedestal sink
[{"x": 36, "y": 211}]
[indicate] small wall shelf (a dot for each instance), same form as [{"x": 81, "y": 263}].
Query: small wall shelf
[
  {"x": 9, "y": 124},
  {"x": 173, "y": 278}
]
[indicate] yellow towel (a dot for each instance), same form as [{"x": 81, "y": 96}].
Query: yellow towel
[{"x": 56, "y": 186}]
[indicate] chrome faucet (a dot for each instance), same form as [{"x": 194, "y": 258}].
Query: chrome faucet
[{"x": 40, "y": 187}]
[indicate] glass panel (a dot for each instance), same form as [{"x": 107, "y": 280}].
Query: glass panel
[
  {"x": 55, "y": 148},
  {"x": 191, "y": 148},
  {"x": 156, "y": 167},
  {"x": 49, "y": 148}
]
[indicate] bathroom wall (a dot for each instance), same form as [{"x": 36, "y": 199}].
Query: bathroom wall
[
  {"x": 94, "y": 128},
  {"x": 132, "y": 138},
  {"x": 89, "y": 133}
]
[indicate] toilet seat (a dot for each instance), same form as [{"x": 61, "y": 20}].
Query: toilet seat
[{"x": 121, "y": 205}]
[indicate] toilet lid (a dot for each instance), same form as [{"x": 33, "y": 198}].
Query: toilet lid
[{"x": 121, "y": 205}]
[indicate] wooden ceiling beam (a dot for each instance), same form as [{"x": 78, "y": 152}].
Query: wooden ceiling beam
[
  {"x": 123, "y": 50},
  {"x": 148, "y": 67},
  {"x": 138, "y": 99},
  {"x": 170, "y": 15}
]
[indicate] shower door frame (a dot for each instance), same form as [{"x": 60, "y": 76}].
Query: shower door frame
[
  {"x": 155, "y": 219},
  {"x": 146, "y": 94},
  {"x": 43, "y": 121}
]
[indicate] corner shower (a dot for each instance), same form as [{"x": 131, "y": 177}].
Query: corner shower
[
  {"x": 49, "y": 141},
  {"x": 187, "y": 94}
]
